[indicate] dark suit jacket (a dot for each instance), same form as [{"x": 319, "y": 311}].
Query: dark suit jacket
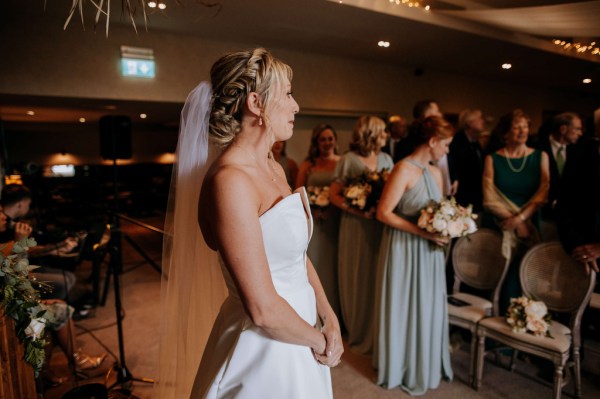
[
  {"x": 465, "y": 162},
  {"x": 578, "y": 207},
  {"x": 555, "y": 178},
  {"x": 398, "y": 150}
]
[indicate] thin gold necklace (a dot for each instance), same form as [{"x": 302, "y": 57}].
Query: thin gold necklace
[
  {"x": 510, "y": 165},
  {"x": 269, "y": 158}
]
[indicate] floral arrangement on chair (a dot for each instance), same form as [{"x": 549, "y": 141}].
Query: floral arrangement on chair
[
  {"x": 364, "y": 191},
  {"x": 318, "y": 196},
  {"x": 21, "y": 301},
  {"x": 526, "y": 315},
  {"x": 448, "y": 219}
]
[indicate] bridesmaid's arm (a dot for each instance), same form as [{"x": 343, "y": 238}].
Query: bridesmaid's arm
[
  {"x": 302, "y": 178},
  {"x": 331, "y": 325},
  {"x": 238, "y": 237},
  {"x": 393, "y": 191}
]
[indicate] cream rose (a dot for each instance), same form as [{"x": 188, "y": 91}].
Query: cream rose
[
  {"x": 36, "y": 327},
  {"x": 536, "y": 310}
]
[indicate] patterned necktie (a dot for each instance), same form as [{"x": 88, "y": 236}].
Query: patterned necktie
[{"x": 560, "y": 159}]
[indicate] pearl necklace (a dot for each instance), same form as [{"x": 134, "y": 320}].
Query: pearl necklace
[
  {"x": 510, "y": 165},
  {"x": 269, "y": 157}
]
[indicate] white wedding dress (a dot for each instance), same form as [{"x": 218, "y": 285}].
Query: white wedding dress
[{"x": 240, "y": 360}]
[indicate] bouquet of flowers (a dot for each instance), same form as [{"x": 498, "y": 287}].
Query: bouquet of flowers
[
  {"x": 448, "y": 219},
  {"x": 526, "y": 315},
  {"x": 21, "y": 301},
  {"x": 318, "y": 196},
  {"x": 364, "y": 191}
]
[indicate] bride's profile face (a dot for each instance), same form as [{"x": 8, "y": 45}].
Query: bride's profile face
[{"x": 283, "y": 112}]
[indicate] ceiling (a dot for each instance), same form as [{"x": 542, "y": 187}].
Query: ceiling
[{"x": 442, "y": 39}]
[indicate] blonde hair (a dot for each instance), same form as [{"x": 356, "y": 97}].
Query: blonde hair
[
  {"x": 366, "y": 133},
  {"x": 467, "y": 115},
  {"x": 233, "y": 77}
]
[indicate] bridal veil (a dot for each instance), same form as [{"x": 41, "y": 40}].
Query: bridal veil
[{"x": 192, "y": 288}]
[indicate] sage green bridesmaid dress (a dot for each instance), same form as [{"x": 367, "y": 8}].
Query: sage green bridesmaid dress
[
  {"x": 412, "y": 347},
  {"x": 323, "y": 247},
  {"x": 359, "y": 241}
]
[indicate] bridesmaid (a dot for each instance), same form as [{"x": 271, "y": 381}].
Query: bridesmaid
[
  {"x": 360, "y": 233},
  {"x": 290, "y": 168},
  {"x": 317, "y": 170},
  {"x": 412, "y": 350}
]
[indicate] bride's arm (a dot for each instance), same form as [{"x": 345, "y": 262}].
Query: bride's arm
[
  {"x": 234, "y": 202},
  {"x": 331, "y": 325}
]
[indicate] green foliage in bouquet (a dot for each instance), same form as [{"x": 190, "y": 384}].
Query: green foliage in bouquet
[{"x": 21, "y": 301}]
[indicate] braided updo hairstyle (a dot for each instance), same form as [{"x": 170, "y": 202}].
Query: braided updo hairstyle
[{"x": 233, "y": 77}]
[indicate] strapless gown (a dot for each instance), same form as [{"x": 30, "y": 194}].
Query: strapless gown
[{"x": 240, "y": 360}]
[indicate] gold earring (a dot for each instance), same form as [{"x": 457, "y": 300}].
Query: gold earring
[{"x": 260, "y": 122}]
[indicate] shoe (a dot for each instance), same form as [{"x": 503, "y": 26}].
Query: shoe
[{"x": 86, "y": 362}]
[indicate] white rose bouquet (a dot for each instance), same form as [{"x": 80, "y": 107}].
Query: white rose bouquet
[
  {"x": 364, "y": 191},
  {"x": 526, "y": 315},
  {"x": 448, "y": 219},
  {"x": 318, "y": 196}
]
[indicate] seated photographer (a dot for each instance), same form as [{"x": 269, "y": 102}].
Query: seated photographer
[{"x": 15, "y": 201}]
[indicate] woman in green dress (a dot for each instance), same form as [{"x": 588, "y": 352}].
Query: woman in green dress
[
  {"x": 317, "y": 172},
  {"x": 360, "y": 233},
  {"x": 412, "y": 347},
  {"x": 515, "y": 186}
]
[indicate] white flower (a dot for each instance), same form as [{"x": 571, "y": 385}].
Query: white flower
[
  {"x": 322, "y": 199},
  {"x": 361, "y": 202},
  {"x": 537, "y": 327},
  {"x": 448, "y": 209},
  {"x": 35, "y": 328},
  {"x": 471, "y": 225},
  {"x": 353, "y": 192},
  {"x": 536, "y": 310},
  {"x": 439, "y": 224},
  {"x": 455, "y": 228}
]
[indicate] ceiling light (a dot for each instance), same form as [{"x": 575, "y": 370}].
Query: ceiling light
[
  {"x": 382, "y": 43},
  {"x": 587, "y": 81},
  {"x": 143, "y": 116},
  {"x": 152, "y": 4},
  {"x": 30, "y": 113},
  {"x": 162, "y": 5},
  {"x": 506, "y": 66},
  {"x": 82, "y": 120}
]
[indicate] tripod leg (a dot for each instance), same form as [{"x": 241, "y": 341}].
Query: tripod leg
[{"x": 109, "y": 270}]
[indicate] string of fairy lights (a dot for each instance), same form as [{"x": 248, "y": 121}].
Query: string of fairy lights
[{"x": 578, "y": 47}]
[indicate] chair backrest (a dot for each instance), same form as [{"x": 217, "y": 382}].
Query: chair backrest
[
  {"x": 478, "y": 262},
  {"x": 550, "y": 275}
]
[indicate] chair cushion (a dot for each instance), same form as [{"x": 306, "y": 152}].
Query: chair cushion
[
  {"x": 477, "y": 310},
  {"x": 560, "y": 332}
]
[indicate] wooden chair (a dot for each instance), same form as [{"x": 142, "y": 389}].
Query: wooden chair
[
  {"x": 547, "y": 274},
  {"x": 478, "y": 263}
]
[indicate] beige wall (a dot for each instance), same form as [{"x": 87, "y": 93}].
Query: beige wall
[{"x": 39, "y": 58}]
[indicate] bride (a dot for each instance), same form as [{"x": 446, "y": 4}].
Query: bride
[{"x": 275, "y": 333}]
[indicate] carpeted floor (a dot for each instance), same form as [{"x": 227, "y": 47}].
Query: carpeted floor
[{"x": 354, "y": 378}]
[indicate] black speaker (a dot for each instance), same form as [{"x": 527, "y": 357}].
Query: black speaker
[{"x": 115, "y": 137}]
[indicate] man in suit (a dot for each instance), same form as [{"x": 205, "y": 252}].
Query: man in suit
[
  {"x": 565, "y": 130},
  {"x": 578, "y": 206},
  {"x": 466, "y": 159},
  {"x": 398, "y": 130}
]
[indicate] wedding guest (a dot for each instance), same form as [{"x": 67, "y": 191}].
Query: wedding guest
[
  {"x": 515, "y": 186},
  {"x": 578, "y": 206},
  {"x": 397, "y": 129},
  {"x": 466, "y": 159},
  {"x": 289, "y": 166},
  {"x": 275, "y": 335},
  {"x": 565, "y": 130},
  {"x": 317, "y": 172},
  {"x": 360, "y": 233},
  {"x": 412, "y": 350}
]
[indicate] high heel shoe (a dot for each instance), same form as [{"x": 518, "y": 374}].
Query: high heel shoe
[{"x": 84, "y": 361}]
